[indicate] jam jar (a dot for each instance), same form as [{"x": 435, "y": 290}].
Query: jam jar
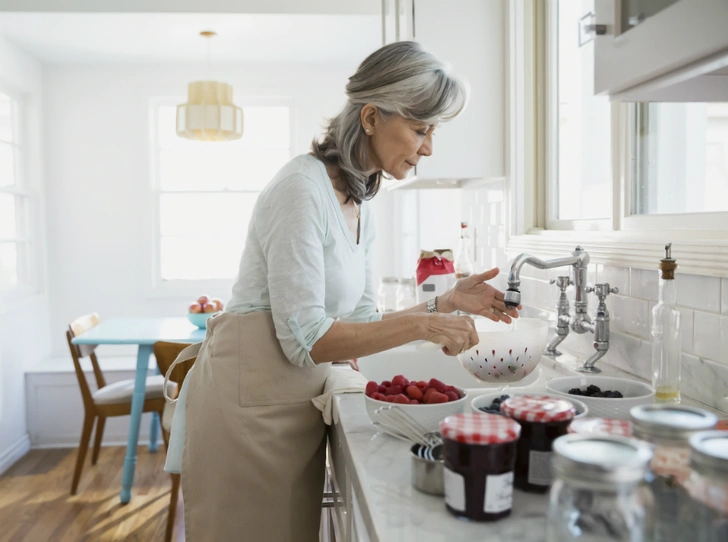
[
  {"x": 480, "y": 454},
  {"x": 543, "y": 419},
  {"x": 667, "y": 429}
]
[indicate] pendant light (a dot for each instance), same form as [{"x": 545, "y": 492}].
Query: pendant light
[{"x": 209, "y": 114}]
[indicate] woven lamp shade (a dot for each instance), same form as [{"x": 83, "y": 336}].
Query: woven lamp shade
[{"x": 209, "y": 114}]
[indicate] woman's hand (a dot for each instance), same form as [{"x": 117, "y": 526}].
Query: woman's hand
[
  {"x": 474, "y": 296},
  {"x": 455, "y": 333}
]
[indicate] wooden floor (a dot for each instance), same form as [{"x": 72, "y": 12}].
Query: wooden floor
[{"x": 36, "y": 505}]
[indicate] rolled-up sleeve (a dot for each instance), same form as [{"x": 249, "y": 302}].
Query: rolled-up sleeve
[
  {"x": 366, "y": 308},
  {"x": 291, "y": 225}
]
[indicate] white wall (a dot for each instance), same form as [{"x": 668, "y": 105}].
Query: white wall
[
  {"x": 97, "y": 136},
  {"x": 24, "y": 335}
]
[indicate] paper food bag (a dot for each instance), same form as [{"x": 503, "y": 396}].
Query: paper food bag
[{"x": 435, "y": 274}]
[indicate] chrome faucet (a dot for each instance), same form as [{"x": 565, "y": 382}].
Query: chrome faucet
[{"x": 580, "y": 322}]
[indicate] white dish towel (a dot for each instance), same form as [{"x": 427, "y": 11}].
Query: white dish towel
[{"x": 339, "y": 380}]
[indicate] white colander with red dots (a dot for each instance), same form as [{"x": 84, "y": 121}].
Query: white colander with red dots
[{"x": 506, "y": 352}]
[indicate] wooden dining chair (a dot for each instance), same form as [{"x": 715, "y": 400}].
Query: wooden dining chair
[
  {"x": 165, "y": 354},
  {"x": 110, "y": 399}
]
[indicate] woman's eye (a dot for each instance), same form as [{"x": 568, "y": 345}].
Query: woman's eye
[{"x": 423, "y": 133}]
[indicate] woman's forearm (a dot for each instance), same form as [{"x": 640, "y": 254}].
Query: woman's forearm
[
  {"x": 345, "y": 340},
  {"x": 443, "y": 306}
]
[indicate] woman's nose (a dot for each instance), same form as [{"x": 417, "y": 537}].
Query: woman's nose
[{"x": 426, "y": 147}]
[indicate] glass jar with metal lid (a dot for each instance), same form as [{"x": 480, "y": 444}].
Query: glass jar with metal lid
[
  {"x": 387, "y": 294},
  {"x": 599, "y": 493},
  {"x": 708, "y": 488},
  {"x": 667, "y": 429}
]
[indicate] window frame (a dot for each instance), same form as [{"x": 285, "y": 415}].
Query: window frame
[
  {"x": 177, "y": 288},
  {"x": 27, "y": 231},
  {"x": 630, "y": 241}
]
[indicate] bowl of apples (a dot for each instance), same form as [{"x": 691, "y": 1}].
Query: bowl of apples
[{"x": 201, "y": 309}]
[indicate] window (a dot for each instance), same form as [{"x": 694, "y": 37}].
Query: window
[
  {"x": 18, "y": 276},
  {"x": 205, "y": 192},
  {"x": 621, "y": 179}
]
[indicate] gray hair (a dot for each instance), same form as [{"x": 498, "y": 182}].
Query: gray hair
[{"x": 399, "y": 78}]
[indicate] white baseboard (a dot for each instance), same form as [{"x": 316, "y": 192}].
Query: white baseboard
[{"x": 14, "y": 452}]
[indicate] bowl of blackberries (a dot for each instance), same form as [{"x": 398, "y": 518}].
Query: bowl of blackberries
[
  {"x": 490, "y": 403},
  {"x": 606, "y": 396}
]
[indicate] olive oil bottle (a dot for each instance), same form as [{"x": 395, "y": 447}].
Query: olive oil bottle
[{"x": 666, "y": 335}]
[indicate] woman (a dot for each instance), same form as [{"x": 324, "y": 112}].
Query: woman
[{"x": 254, "y": 450}]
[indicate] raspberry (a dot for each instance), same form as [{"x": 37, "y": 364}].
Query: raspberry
[
  {"x": 401, "y": 399},
  {"x": 372, "y": 388},
  {"x": 379, "y": 396},
  {"x": 428, "y": 394},
  {"x": 422, "y": 385},
  {"x": 414, "y": 402},
  {"x": 382, "y": 390},
  {"x": 437, "y": 397},
  {"x": 386, "y": 383},
  {"x": 400, "y": 380},
  {"x": 439, "y": 386},
  {"x": 394, "y": 390},
  {"x": 414, "y": 392},
  {"x": 389, "y": 398},
  {"x": 452, "y": 396}
]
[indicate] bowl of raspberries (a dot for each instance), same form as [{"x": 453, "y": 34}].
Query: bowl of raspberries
[
  {"x": 606, "y": 396},
  {"x": 427, "y": 402}
]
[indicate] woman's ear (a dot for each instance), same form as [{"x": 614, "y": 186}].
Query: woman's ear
[{"x": 369, "y": 118}]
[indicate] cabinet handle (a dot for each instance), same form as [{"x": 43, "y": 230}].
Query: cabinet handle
[{"x": 588, "y": 29}]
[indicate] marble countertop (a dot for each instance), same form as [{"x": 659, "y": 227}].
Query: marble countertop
[{"x": 379, "y": 468}]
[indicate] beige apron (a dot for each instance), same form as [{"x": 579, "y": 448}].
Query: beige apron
[{"x": 254, "y": 450}]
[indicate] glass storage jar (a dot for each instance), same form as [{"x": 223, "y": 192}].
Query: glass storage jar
[
  {"x": 387, "y": 294},
  {"x": 543, "y": 419},
  {"x": 708, "y": 488},
  {"x": 599, "y": 493},
  {"x": 480, "y": 454},
  {"x": 667, "y": 429},
  {"x": 406, "y": 294}
]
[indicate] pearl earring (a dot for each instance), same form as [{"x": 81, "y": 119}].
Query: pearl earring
[{"x": 367, "y": 131}]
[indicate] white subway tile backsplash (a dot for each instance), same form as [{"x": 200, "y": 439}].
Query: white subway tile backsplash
[
  {"x": 698, "y": 292},
  {"x": 705, "y": 381},
  {"x": 629, "y": 315},
  {"x": 710, "y": 336},
  {"x": 724, "y": 290},
  {"x": 616, "y": 277},
  {"x": 643, "y": 284}
]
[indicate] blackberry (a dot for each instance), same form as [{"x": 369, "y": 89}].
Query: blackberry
[
  {"x": 575, "y": 391},
  {"x": 617, "y": 395},
  {"x": 593, "y": 389}
]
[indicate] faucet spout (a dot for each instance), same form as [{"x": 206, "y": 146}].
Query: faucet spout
[
  {"x": 590, "y": 364},
  {"x": 579, "y": 259}
]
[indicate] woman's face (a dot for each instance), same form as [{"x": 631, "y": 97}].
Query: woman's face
[{"x": 396, "y": 144}]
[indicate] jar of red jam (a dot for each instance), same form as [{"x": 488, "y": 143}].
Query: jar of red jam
[
  {"x": 480, "y": 455},
  {"x": 543, "y": 419}
]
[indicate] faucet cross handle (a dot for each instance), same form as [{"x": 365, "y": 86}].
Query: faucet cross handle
[
  {"x": 602, "y": 291},
  {"x": 562, "y": 282}
]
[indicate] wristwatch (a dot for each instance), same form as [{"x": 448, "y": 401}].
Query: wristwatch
[{"x": 432, "y": 305}]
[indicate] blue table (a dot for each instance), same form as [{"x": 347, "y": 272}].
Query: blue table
[{"x": 143, "y": 332}]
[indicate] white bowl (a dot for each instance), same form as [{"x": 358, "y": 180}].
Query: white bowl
[
  {"x": 635, "y": 393},
  {"x": 506, "y": 352},
  {"x": 582, "y": 410},
  {"x": 428, "y": 416}
]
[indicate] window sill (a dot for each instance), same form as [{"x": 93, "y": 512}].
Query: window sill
[{"x": 698, "y": 253}]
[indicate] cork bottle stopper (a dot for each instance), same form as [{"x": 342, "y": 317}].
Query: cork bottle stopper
[{"x": 668, "y": 264}]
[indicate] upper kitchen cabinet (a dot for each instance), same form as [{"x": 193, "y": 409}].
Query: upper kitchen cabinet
[
  {"x": 470, "y": 36},
  {"x": 659, "y": 50}
]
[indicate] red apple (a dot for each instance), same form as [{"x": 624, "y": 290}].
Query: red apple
[
  {"x": 218, "y": 303},
  {"x": 203, "y": 299},
  {"x": 209, "y": 307},
  {"x": 195, "y": 307}
]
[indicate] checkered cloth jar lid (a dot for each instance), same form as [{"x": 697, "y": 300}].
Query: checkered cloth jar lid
[
  {"x": 538, "y": 408},
  {"x": 601, "y": 427},
  {"x": 479, "y": 428}
]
